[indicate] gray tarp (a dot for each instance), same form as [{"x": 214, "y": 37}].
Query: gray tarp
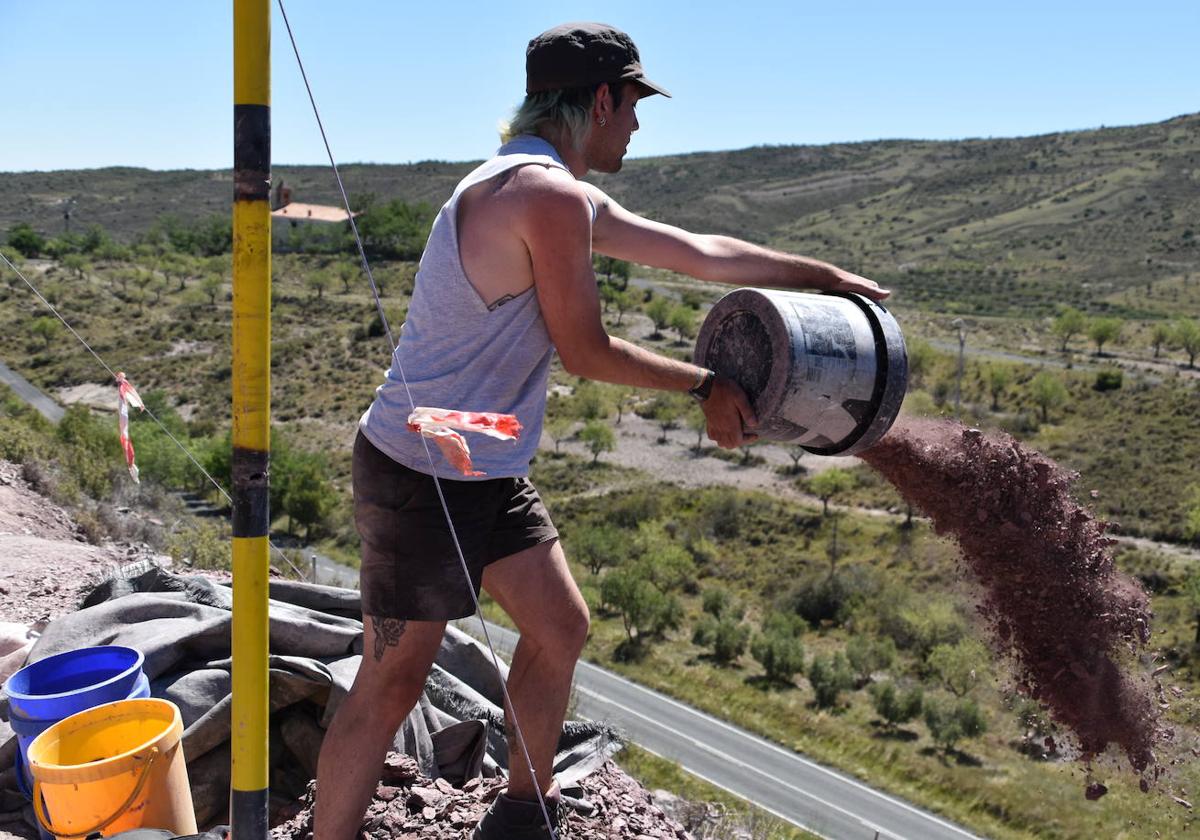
[{"x": 182, "y": 625}]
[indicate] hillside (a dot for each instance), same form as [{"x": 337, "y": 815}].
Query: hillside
[
  {"x": 981, "y": 226},
  {"x": 737, "y": 565}
]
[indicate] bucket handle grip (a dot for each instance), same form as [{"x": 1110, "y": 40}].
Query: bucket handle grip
[{"x": 43, "y": 819}]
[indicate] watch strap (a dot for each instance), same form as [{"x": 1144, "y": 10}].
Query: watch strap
[{"x": 703, "y": 389}]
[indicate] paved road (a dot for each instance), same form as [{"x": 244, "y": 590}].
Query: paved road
[
  {"x": 780, "y": 781},
  {"x": 25, "y": 389}
]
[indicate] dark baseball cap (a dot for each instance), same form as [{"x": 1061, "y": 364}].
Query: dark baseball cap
[{"x": 583, "y": 54}]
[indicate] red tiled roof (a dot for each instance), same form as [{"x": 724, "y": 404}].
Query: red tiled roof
[{"x": 311, "y": 212}]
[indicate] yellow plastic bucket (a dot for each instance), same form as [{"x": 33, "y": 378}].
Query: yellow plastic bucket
[{"x": 112, "y": 768}]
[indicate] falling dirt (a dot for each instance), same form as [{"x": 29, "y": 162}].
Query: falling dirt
[{"x": 1050, "y": 593}]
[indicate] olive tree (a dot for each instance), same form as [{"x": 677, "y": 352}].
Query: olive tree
[
  {"x": 1069, "y": 323},
  {"x": 598, "y": 437},
  {"x": 1187, "y": 336},
  {"x": 1048, "y": 392},
  {"x": 1104, "y": 331}
]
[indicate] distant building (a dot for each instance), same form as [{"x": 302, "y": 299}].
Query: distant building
[{"x": 308, "y": 224}]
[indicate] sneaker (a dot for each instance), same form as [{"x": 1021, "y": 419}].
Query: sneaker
[{"x": 519, "y": 819}]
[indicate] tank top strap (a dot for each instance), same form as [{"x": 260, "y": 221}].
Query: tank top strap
[{"x": 522, "y": 150}]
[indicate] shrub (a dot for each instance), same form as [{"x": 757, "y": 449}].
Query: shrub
[
  {"x": 600, "y": 546},
  {"x": 641, "y": 505},
  {"x": 1069, "y": 323},
  {"x": 26, "y": 241},
  {"x": 959, "y": 665},
  {"x": 661, "y": 559},
  {"x": 590, "y": 402},
  {"x": 201, "y": 545},
  {"x": 644, "y": 609},
  {"x": 829, "y": 677},
  {"x": 658, "y": 310},
  {"x": 729, "y": 640},
  {"x": 599, "y": 437},
  {"x": 895, "y": 707},
  {"x": 395, "y": 230},
  {"x": 719, "y": 602},
  {"x": 823, "y": 598},
  {"x": 722, "y": 510},
  {"x": 18, "y": 442},
  {"x": 94, "y": 450},
  {"x": 778, "y": 648},
  {"x": 868, "y": 654},
  {"x": 1109, "y": 379},
  {"x": 1048, "y": 392},
  {"x": 950, "y": 721},
  {"x": 917, "y": 625},
  {"x": 829, "y": 484}
]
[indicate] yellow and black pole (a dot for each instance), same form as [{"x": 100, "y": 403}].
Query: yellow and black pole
[{"x": 251, "y": 411}]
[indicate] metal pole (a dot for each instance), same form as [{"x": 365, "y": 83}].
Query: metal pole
[{"x": 251, "y": 412}]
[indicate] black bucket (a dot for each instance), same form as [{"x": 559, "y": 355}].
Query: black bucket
[{"x": 825, "y": 371}]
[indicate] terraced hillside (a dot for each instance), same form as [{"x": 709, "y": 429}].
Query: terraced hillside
[{"x": 986, "y": 226}]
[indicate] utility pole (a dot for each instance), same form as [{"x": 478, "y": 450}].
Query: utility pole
[
  {"x": 248, "y": 798},
  {"x": 962, "y": 349}
]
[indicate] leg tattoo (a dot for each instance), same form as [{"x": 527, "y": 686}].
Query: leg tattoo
[{"x": 387, "y": 634}]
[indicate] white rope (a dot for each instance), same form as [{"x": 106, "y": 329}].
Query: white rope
[
  {"x": 160, "y": 424},
  {"x": 428, "y": 455}
]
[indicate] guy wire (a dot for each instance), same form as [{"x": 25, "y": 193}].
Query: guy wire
[{"x": 151, "y": 414}]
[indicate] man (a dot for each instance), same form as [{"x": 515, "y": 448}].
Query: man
[{"x": 505, "y": 281}]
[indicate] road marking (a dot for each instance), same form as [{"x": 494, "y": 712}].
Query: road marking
[
  {"x": 726, "y": 757},
  {"x": 738, "y": 794},
  {"x": 796, "y": 756},
  {"x": 602, "y": 674}
]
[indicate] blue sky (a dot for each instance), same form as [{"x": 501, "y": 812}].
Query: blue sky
[{"x": 90, "y": 83}]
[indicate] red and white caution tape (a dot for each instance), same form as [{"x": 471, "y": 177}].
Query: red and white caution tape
[
  {"x": 127, "y": 396},
  {"x": 439, "y": 424}
]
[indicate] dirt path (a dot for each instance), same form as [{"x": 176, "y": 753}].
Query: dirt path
[{"x": 676, "y": 460}]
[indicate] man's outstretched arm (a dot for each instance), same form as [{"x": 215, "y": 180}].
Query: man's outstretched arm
[
  {"x": 555, "y": 225},
  {"x": 721, "y": 259}
]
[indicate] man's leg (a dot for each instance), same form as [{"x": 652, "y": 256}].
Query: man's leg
[
  {"x": 397, "y": 656},
  {"x": 536, "y": 589}
]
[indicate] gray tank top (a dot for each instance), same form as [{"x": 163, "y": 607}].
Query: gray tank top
[{"x": 458, "y": 354}]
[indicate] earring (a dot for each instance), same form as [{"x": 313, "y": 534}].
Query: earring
[{"x": 603, "y": 121}]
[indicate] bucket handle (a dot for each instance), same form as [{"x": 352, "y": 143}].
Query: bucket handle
[{"x": 43, "y": 819}]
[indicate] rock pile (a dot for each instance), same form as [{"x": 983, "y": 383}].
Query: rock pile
[{"x": 408, "y": 806}]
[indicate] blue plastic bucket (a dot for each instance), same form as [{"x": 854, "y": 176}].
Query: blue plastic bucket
[{"x": 54, "y": 688}]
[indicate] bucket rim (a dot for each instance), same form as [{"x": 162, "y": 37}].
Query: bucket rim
[
  {"x": 77, "y": 653},
  {"x": 31, "y": 726},
  {"x": 165, "y": 740}
]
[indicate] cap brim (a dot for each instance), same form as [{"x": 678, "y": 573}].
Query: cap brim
[{"x": 649, "y": 88}]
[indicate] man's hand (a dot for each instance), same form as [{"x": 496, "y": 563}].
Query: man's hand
[
  {"x": 844, "y": 281},
  {"x": 729, "y": 415}
]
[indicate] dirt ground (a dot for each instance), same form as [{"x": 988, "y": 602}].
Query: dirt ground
[
  {"x": 46, "y": 565},
  {"x": 46, "y": 561}
]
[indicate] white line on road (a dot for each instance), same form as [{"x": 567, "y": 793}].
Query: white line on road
[
  {"x": 796, "y": 756},
  {"x": 738, "y": 762},
  {"x": 737, "y": 794}
]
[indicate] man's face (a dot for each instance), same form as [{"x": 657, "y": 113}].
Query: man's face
[{"x": 608, "y": 143}]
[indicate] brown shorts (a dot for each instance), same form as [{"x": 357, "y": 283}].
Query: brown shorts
[{"x": 410, "y": 569}]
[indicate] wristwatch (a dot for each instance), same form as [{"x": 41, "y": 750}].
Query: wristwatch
[{"x": 703, "y": 387}]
